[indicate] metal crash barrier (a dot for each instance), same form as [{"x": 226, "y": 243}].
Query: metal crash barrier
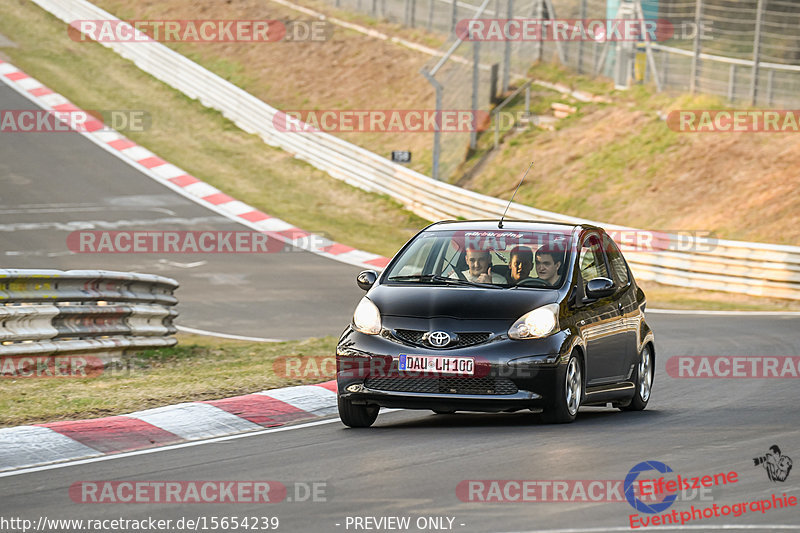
[
  {"x": 46, "y": 312},
  {"x": 740, "y": 267}
]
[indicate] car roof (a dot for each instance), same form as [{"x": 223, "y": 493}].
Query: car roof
[{"x": 508, "y": 225}]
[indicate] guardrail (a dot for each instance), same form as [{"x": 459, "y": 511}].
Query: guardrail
[
  {"x": 733, "y": 266},
  {"x": 44, "y": 312}
]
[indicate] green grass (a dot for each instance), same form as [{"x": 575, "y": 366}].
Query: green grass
[
  {"x": 215, "y": 150},
  {"x": 199, "y": 368}
]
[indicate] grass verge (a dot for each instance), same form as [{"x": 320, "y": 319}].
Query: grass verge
[
  {"x": 615, "y": 153},
  {"x": 199, "y": 368}
]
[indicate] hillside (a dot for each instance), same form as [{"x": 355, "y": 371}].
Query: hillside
[{"x": 615, "y": 163}]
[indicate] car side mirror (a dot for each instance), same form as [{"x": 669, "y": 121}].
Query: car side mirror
[
  {"x": 367, "y": 279},
  {"x": 599, "y": 288}
]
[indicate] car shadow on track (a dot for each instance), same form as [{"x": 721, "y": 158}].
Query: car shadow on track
[{"x": 587, "y": 417}]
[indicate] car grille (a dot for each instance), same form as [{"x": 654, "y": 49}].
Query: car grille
[
  {"x": 487, "y": 385},
  {"x": 413, "y": 336}
]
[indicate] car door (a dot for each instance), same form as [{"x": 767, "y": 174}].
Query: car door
[
  {"x": 625, "y": 297},
  {"x": 600, "y": 319}
]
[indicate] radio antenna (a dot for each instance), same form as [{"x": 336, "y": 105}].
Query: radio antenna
[{"x": 500, "y": 224}]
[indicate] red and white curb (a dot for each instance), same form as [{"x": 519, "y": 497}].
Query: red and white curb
[
  {"x": 182, "y": 182},
  {"x": 54, "y": 442}
]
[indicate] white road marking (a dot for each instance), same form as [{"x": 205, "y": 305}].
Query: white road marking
[
  {"x": 720, "y": 313},
  {"x": 165, "y": 448},
  {"x": 76, "y": 225},
  {"x": 195, "y": 264},
  {"x": 225, "y": 335}
]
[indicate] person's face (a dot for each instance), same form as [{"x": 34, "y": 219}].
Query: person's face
[
  {"x": 478, "y": 262},
  {"x": 520, "y": 268},
  {"x": 772, "y": 457},
  {"x": 546, "y": 269}
]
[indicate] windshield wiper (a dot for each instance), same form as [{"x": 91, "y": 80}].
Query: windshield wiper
[
  {"x": 421, "y": 277},
  {"x": 442, "y": 279}
]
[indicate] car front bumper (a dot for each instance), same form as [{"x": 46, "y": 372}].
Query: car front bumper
[{"x": 509, "y": 375}]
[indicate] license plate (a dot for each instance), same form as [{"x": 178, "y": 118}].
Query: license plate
[{"x": 453, "y": 366}]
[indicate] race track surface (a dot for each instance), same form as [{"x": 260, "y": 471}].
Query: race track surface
[
  {"x": 411, "y": 462},
  {"x": 52, "y": 184}
]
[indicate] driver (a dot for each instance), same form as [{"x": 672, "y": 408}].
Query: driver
[
  {"x": 520, "y": 263},
  {"x": 479, "y": 262},
  {"x": 548, "y": 264}
]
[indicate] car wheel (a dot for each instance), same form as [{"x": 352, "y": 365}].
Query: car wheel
[
  {"x": 569, "y": 392},
  {"x": 644, "y": 381},
  {"x": 356, "y": 416}
]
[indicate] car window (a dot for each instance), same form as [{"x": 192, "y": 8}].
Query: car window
[
  {"x": 416, "y": 257},
  {"x": 619, "y": 269},
  {"x": 482, "y": 256},
  {"x": 592, "y": 261}
]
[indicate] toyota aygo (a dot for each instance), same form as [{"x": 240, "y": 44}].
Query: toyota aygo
[{"x": 498, "y": 317}]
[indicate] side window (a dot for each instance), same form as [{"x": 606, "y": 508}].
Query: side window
[
  {"x": 619, "y": 268},
  {"x": 592, "y": 261}
]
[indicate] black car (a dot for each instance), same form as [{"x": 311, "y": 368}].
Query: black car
[{"x": 488, "y": 316}]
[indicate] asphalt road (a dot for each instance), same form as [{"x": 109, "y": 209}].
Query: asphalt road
[
  {"x": 52, "y": 184},
  {"x": 410, "y": 462}
]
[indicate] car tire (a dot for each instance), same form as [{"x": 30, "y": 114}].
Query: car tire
[
  {"x": 356, "y": 416},
  {"x": 569, "y": 393},
  {"x": 644, "y": 381}
]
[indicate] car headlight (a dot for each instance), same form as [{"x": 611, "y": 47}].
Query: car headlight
[
  {"x": 536, "y": 324},
  {"x": 367, "y": 318}
]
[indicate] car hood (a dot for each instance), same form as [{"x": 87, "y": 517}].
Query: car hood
[{"x": 429, "y": 301}]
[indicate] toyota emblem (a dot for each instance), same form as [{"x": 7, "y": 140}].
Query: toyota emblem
[{"x": 439, "y": 338}]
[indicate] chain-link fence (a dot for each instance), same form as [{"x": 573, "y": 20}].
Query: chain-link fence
[{"x": 747, "y": 51}]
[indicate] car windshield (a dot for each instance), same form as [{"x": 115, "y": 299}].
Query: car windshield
[{"x": 491, "y": 258}]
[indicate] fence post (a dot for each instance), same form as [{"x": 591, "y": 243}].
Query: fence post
[
  {"x": 582, "y": 16},
  {"x": 732, "y": 83},
  {"x": 507, "y": 50},
  {"x": 437, "y": 141},
  {"x": 770, "y": 76},
  {"x": 430, "y": 14},
  {"x": 453, "y": 16},
  {"x": 528, "y": 100},
  {"x": 756, "y": 53},
  {"x": 698, "y": 12},
  {"x": 540, "y": 42},
  {"x": 476, "y": 77},
  {"x": 374, "y": 8},
  {"x": 493, "y": 83},
  {"x": 665, "y": 67}
]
